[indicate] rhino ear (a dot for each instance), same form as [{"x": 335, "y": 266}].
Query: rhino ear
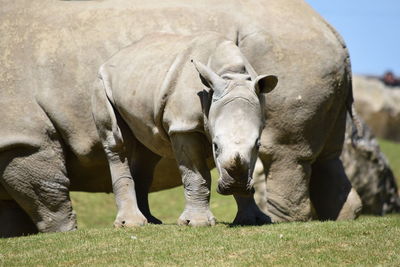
[
  {"x": 265, "y": 83},
  {"x": 209, "y": 78}
]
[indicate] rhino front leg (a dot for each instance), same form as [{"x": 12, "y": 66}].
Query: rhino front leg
[
  {"x": 190, "y": 153},
  {"x": 288, "y": 197},
  {"x": 248, "y": 212}
]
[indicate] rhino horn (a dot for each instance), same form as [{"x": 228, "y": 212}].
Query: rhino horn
[
  {"x": 249, "y": 68},
  {"x": 209, "y": 78}
]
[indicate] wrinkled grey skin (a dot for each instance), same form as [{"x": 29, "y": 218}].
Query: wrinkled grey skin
[
  {"x": 51, "y": 51},
  {"x": 151, "y": 90},
  {"x": 370, "y": 173},
  {"x": 367, "y": 168}
]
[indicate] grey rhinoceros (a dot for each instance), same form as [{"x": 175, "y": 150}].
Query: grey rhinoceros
[
  {"x": 51, "y": 52},
  {"x": 151, "y": 90}
]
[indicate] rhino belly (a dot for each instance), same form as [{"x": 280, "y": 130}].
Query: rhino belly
[{"x": 166, "y": 174}]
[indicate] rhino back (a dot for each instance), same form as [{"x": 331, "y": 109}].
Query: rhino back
[
  {"x": 57, "y": 48},
  {"x": 54, "y": 48},
  {"x": 156, "y": 89},
  {"x": 312, "y": 64}
]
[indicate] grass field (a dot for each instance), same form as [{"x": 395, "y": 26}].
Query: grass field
[
  {"x": 392, "y": 151},
  {"x": 366, "y": 241}
]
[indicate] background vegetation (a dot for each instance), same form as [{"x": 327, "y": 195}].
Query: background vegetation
[
  {"x": 392, "y": 152},
  {"x": 366, "y": 241}
]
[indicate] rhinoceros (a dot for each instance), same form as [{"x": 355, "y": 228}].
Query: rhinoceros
[
  {"x": 151, "y": 90},
  {"x": 49, "y": 145}
]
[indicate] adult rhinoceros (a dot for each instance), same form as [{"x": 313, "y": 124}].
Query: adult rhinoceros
[{"x": 51, "y": 52}]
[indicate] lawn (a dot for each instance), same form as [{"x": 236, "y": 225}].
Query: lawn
[
  {"x": 366, "y": 241},
  {"x": 392, "y": 152}
]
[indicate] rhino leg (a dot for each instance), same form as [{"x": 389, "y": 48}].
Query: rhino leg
[
  {"x": 288, "y": 197},
  {"x": 118, "y": 144},
  {"x": 190, "y": 152},
  {"x": 248, "y": 212},
  {"x": 143, "y": 166},
  {"x": 331, "y": 192},
  {"x": 129, "y": 214},
  {"x": 14, "y": 221},
  {"x": 260, "y": 186},
  {"x": 37, "y": 182}
]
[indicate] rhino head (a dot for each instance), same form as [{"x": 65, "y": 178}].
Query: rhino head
[{"x": 234, "y": 122}]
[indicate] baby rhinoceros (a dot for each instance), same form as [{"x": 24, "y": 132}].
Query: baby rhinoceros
[{"x": 151, "y": 102}]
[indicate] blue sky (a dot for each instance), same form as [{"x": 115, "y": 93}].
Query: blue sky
[{"x": 371, "y": 29}]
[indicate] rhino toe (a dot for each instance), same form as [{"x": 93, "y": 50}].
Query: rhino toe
[
  {"x": 197, "y": 218},
  {"x": 251, "y": 217},
  {"x": 130, "y": 221}
]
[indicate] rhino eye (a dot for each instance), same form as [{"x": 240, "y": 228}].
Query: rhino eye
[
  {"x": 258, "y": 143},
  {"x": 216, "y": 149}
]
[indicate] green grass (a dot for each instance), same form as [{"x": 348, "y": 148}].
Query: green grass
[
  {"x": 392, "y": 152},
  {"x": 366, "y": 241},
  {"x": 98, "y": 210}
]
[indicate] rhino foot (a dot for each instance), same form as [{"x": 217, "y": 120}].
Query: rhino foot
[
  {"x": 251, "y": 218},
  {"x": 249, "y": 213},
  {"x": 197, "y": 218},
  {"x": 132, "y": 220},
  {"x": 153, "y": 220}
]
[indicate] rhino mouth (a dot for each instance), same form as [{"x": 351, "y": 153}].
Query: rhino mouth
[{"x": 230, "y": 186}]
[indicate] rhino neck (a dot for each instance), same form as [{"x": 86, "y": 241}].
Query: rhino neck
[{"x": 228, "y": 61}]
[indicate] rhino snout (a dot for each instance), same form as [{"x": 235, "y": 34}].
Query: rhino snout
[
  {"x": 235, "y": 180},
  {"x": 237, "y": 168},
  {"x": 224, "y": 188}
]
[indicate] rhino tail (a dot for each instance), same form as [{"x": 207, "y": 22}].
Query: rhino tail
[{"x": 357, "y": 128}]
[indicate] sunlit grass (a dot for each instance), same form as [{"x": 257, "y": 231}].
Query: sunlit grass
[
  {"x": 392, "y": 152},
  {"x": 366, "y": 241}
]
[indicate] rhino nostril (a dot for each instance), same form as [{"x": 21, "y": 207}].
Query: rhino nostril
[
  {"x": 238, "y": 172},
  {"x": 237, "y": 159},
  {"x": 216, "y": 149},
  {"x": 215, "y": 146}
]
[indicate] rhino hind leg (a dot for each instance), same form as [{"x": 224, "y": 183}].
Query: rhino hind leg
[
  {"x": 144, "y": 162},
  {"x": 331, "y": 192},
  {"x": 38, "y": 183},
  {"x": 14, "y": 221}
]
